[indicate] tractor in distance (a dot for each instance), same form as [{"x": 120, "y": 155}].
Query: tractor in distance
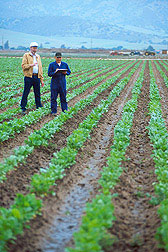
[{"x": 149, "y": 53}]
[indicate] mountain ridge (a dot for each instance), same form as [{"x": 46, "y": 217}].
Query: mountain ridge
[{"x": 134, "y": 21}]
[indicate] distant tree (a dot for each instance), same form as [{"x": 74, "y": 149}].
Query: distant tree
[
  {"x": 23, "y": 48},
  {"x": 63, "y": 46},
  {"x": 41, "y": 45},
  {"x": 119, "y": 47},
  {"x": 164, "y": 42},
  {"x": 6, "y": 45},
  {"x": 83, "y": 47},
  {"x": 150, "y": 48}
]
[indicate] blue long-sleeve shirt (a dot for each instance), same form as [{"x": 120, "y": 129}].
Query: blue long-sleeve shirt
[{"x": 58, "y": 78}]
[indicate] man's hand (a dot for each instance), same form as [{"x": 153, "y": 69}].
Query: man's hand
[
  {"x": 32, "y": 65},
  {"x": 42, "y": 83}
]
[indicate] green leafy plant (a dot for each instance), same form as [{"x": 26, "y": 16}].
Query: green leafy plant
[{"x": 13, "y": 219}]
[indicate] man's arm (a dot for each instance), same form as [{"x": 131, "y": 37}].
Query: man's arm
[
  {"x": 25, "y": 63},
  {"x": 68, "y": 72},
  {"x": 51, "y": 72},
  {"x": 41, "y": 72}
]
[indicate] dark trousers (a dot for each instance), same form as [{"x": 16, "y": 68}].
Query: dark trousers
[
  {"x": 28, "y": 83},
  {"x": 54, "y": 94}
]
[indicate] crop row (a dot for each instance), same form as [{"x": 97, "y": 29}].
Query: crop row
[
  {"x": 163, "y": 73},
  {"x": 8, "y": 129},
  {"x": 11, "y": 75},
  {"x": 158, "y": 135},
  {"x": 41, "y": 137},
  {"x": 70, "y": 84},
  {"x": 6, "y": 94},
  {"x": 13, "y": 84},
  {"x": 11, "y": 101},
  {"x": 62, "y": 159},
  {"x": 93, "y": 234}
]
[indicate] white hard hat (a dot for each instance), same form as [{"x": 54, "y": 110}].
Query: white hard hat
[{"x": 33, "y": 44}]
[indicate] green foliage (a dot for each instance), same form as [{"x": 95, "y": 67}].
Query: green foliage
[
  {"x": 162, "y": 231},
  {"x": 13, "y": 219},
  {"x": 20, "y": 155}
]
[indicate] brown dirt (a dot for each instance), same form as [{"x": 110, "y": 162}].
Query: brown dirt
[{"x": 109, "y": 69}]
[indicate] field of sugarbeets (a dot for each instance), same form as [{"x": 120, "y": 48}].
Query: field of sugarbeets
[{"x": 94, "y": 178}]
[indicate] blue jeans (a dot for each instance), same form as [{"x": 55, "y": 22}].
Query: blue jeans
[
  {"x": 54, "y": 94},
  {"x": 28, "y": 83}
]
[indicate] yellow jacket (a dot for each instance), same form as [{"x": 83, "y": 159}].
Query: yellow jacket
[{"x": 27, "y": 69}]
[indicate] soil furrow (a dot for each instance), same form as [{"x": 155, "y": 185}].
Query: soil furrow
[{"x": 136, "y": 219}]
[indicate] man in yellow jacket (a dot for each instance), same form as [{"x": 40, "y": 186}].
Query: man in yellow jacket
[{"x": 33, "y": 75}]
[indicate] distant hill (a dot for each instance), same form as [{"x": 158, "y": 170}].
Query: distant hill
[{"x": 131, "y": 21}]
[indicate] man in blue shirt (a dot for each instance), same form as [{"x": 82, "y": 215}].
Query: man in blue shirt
[{"x": 58, "y": 70}]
